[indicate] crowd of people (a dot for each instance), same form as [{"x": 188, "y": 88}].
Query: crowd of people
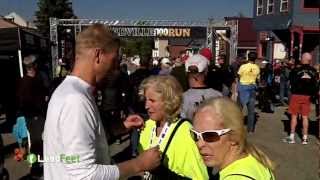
[{"x": 184, "y": 115}]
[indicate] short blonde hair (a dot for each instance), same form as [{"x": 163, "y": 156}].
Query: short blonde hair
[
  {"x": 169, "y": 89},
  {"x": 232, "y": 118},
  {"x": 97, "y": 36}
]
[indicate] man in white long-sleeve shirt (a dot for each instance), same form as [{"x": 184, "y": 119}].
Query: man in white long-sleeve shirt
[{"x": 73, "y": 132}]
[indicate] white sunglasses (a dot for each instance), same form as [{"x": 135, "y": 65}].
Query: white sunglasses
[{"x": 208, "y": 136}]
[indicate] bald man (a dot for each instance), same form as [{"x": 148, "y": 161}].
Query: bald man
[{"x": 303, "y": 81}]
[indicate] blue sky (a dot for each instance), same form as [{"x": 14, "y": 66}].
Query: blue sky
[{"x": 140, "y": 9}]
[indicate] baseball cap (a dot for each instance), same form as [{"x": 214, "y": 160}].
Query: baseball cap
[
  {"x": 136, "y": 61},
  {"x": 165, "y": 61},
  {"x": 206, "y": 52},
  {"x": 29, "y": 60},
  {"x": 196, "y": 63}
]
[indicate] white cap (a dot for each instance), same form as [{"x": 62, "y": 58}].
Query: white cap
[
  {"x": 155, "y": 62},
  {"x": 29, "y": 60},
  {"x": 165, "y": 61},
  {"x": 265, "y": 62},
  {"x": 136, "y": 61},
  {"x": 198, "y": 61}
]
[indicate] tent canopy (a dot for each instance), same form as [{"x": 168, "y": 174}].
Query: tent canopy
[{"x": 16, "y": 38}]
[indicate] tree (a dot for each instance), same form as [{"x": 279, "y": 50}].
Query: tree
[
  {"x": 141, "y": 47},
  {"x": 52, "y": 8}
]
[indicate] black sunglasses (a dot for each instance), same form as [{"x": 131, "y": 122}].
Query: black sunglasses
[{"x": 208, "y": 136}]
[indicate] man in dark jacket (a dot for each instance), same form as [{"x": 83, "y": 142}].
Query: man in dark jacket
[
  {"x": 136, "y": 78},
  {"x": 137, "y": 104},
  {"x": 32, "y": 96},
  {"x": 220, "y": 77}
]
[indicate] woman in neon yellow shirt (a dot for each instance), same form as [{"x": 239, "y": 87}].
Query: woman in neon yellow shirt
[
  {"x": 181, "y": 160},
  {"x": 221, "y": 139}
]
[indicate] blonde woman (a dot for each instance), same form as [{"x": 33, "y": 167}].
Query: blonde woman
[
  {"x": 221, "y": 138},
  {"x": 180, "y": 156}
]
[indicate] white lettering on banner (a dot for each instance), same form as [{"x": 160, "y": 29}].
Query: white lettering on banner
[
  {"x": 152, "y": 32},
  {"x": 186, "y": 33},
  {"x": 178, "y": 32},
  {"x": 173, "y": 32}
]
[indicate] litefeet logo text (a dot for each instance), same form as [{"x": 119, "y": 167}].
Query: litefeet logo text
[{"x": 62, "y": 158}]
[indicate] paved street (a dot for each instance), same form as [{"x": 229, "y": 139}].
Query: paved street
[{"x": 294, "y": 161}]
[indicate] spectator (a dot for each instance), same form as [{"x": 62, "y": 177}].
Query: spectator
[
  {"x": 265, "y": 88},
  {"x": 31, "y": 93},
  {"x": 197, "y": 68},
  {"x": 277, "y": 67},
  {"x": 221, "y": 138},
  {"x": 4, "y": 175},
  {"x": 235, "y": 65},
  {"x": 136, "y": 103},
  {"x": 248, "y": 74},
  {"x": 220, "y": 77},
  {"x": 32, "y": 98},
  {"x": 165, "y": 64},
  {"x": 183, "y": 55},
  {"x": 155, "y": 67},
  {"x": 180, "y": 157},
  {"x": 114, "y": 105},
  {"x": 73, "y": 125},
  {"x": 179, "y": 72},
  {"x": 284, "y": 82},
  {"x": 303, "y": 81}
]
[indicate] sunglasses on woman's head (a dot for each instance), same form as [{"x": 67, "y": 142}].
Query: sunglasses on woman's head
[{"x": 208, "y": 136}]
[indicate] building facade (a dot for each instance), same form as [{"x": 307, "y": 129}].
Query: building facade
[
  {"x": 243, "y": 35},
  {"x": 287, "y": 25}
]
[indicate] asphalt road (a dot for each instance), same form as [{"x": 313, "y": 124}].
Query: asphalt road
[{"x": 293, "y": 161}]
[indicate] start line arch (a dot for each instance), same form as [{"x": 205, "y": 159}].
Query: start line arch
[{"x": 209, "y": 31}]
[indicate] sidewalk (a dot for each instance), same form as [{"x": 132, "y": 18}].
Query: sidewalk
[{"x": 294, "y": 161}]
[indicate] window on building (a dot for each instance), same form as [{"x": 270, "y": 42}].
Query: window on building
[
  {"x": 284, "y": 6},
  {"x": 259, "y": 7},
  {"x": 311, "y": 3},
  {"x": 270, "y": 7}
]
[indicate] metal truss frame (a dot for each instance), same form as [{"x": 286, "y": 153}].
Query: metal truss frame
[{"x": 77, "y": 25}]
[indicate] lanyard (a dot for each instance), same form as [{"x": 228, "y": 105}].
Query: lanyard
[{"x": 162, "y": 134}]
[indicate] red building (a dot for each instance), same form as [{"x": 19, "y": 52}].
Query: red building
[{"x": 245, "y": 34}]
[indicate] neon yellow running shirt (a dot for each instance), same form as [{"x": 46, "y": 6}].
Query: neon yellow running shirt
[
  {"x": 247, "y": 166},
  {"x": 183, "y": 155}
]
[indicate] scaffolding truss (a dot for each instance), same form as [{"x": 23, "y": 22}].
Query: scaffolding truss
[
  {"x": 175, "y": 23},
  {"x": 78, "y": 24}
]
